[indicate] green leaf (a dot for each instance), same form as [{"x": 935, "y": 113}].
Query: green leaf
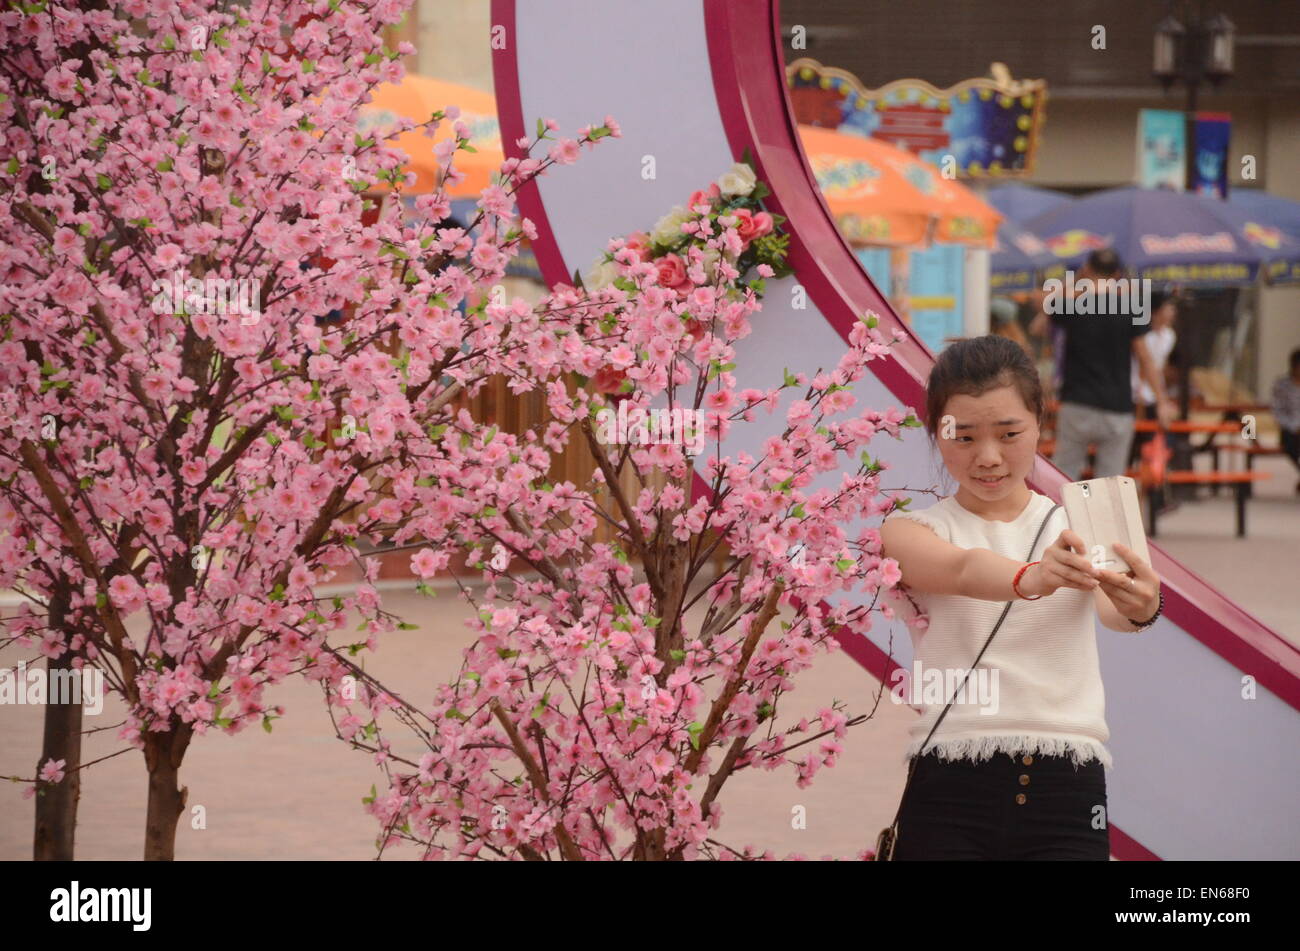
[
  {"x": 165, "y": 165},
  {"x": 677, "y": 654},
  {"x": 266, "y": 724},
  {"x": 844, "y": 564}
]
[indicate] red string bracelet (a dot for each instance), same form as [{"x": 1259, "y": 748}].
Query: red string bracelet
[{"x": 1015, "y": 583}]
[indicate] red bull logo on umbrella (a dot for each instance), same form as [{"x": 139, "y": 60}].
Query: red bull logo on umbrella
[
  {"x": 1187, "y": 243},
  {"x": 1076, "y": 241},
  {"x": 1256, "y": 233}
]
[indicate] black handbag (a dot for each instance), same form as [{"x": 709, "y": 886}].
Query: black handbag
[{"x": 887, "y": 840}]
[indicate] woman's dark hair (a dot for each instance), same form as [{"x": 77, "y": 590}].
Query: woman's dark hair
[
  {"x": 1295, "y": 359},
  {"x": 974, "y": 366}
]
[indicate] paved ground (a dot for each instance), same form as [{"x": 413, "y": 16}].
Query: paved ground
[{"x": 295, "y": 793}]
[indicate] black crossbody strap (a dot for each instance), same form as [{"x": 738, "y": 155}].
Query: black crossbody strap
[{"x": 916, "y": 759}]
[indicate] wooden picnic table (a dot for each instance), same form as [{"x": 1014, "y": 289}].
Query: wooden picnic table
[
  {"x": 1229, "y": 409},
  {"x": 1186, "y": 426}
]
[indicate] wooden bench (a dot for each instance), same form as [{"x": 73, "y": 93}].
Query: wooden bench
[
  {"x": 1253, "y": 452},
  {"x": 1240, "y": 481}
]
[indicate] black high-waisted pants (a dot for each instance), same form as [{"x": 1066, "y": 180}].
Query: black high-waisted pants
[{"x": 1011, "y": 808}]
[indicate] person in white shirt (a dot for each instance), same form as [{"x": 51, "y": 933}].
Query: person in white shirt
[
  {"x": 1286, "y": 410},
  {"x": 1023, "y": 778},
  {"x": 1159, "y": 343}
]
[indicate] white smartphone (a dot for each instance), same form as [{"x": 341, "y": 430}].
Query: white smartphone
[{"x": 1105, "y": 511}]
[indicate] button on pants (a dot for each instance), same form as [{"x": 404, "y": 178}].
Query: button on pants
[{"x": 1025, "y": 807}]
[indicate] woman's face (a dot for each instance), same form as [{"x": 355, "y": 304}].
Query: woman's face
[{"x": 986, "y": 436}]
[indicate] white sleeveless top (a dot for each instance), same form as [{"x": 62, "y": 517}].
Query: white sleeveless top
[{"x": 1041, "y": 672}]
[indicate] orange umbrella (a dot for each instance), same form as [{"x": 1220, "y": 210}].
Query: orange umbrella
[
  {"x": 883, "y": 195},
  {"x": 417, "y": 98}
]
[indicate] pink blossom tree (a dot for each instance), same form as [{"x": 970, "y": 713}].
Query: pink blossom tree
[
  {"x": 614, "y": 687},
  {"x": 188, "y": 453}
]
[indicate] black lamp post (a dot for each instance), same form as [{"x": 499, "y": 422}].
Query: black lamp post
[{"x": 1193, "y": 50}]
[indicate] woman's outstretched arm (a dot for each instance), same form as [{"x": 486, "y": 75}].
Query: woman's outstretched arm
[{"x": 930, "y": 564}]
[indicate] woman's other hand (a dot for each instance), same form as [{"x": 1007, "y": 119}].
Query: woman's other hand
[{"x": 1139, "y": 599}]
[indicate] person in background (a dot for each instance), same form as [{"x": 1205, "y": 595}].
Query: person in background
[
  {"x": 1286, "y": 410},
  {"x": 1159, "y": 343},
  {"x": 1004, "y": 323},
  {"x": 1096, "y": 393}
]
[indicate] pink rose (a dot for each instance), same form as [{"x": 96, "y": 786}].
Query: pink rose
[
  {"x": 609, "y": 379},
  {"x": 751, "y": 225},
  {"x": 672, "y": 272},
  {"x": 640, "y": 243},
  {"x": 705, "y": 197}
]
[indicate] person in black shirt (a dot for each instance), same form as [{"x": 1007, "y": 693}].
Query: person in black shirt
[{"x": 1096, "y": 393}]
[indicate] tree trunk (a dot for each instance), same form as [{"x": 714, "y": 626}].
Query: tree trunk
[
  {"x": 163, "y": 753},
  {"x": 54, "y": 835}
]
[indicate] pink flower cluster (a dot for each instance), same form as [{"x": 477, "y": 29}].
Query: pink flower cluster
[{"x": 616, "y": 667}]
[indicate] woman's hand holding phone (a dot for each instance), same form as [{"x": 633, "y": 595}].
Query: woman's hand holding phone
[
  {"x": 1063, "y": 565},
  {"x": 1135, "y": 593}
]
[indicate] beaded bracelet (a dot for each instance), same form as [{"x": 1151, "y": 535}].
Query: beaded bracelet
[
  {"x": 1141, "y": 625},
  {"x": 1015, "y": 582}
]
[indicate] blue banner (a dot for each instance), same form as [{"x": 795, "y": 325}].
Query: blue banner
[{"x": 1210, "y": 173}]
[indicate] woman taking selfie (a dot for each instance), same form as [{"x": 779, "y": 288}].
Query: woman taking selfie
[{"x": 1022, "y": 778}]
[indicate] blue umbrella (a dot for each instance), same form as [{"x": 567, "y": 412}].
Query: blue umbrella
[
  {"x": 1268, "y": 209},
  {"x": 1020, "y": 261},
  {"x": 1021, "y": 202},
  {"x": 1168, "y": 237},
  {"x": 1271, "y": 211}
]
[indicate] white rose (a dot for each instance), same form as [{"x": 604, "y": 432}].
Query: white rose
[
  {"x": 710, "y": 259},
  {"x": 669, "y": 228},
  {"x": 739, "y": 181},
  {"x": 601, "y": 274}
]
